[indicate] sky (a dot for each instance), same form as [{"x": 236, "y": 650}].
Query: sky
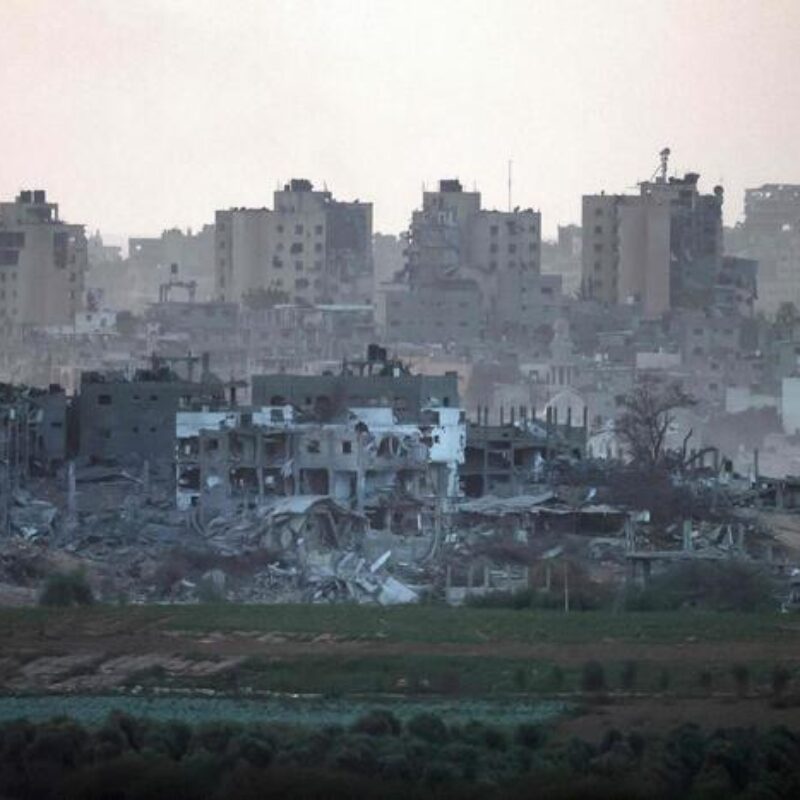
[{"x": 142, "y": 115}]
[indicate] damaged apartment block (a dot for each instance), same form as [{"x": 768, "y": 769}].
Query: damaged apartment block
[
  {"x": 233, "y": 458},
  {"x": 374, "y": 438}
]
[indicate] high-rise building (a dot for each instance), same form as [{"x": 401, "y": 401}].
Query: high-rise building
[
  {"x": 659, "y": 249},
  {"x": 770, "y": 234},
  {"x": 43, "y": 262},
  {"x": 309, "y": 249},
  {"x": 772, "y": 207},
  {"x": 458, "y": 259},
  {"x": 452, "y": 237}
]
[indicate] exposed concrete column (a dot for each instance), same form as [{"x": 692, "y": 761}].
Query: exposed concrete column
[
  {"x": 72, "y": 500},
  {"x": 687, "y": 535},
  {"x": 146, "y": 478},
  {"x": 361, "y": 491},
  {"x": 630, "y": 535}
]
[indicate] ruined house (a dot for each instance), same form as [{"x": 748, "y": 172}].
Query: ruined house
[
  {"x": 239, "y": 457},
  {"x": 375, "y": 381}
]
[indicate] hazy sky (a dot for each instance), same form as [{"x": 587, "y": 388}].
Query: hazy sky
[{"x": 138, "y": 115}]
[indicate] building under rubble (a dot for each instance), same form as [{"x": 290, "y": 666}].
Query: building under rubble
[{"x": 33, "y": 438}]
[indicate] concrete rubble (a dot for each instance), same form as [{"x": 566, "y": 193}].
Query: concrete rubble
[{"x": 367, "y": 486}]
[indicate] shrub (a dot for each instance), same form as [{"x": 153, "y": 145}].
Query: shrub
[
  {"x": 528, "y": 735},
  {"x": 780, "y": 678},
  {"x": 377, "y": 723},
  {"x": 719, "y": 586},
  {"x": 593, "y": 678},
  {"x": 428, "y": 727},
  {"x": 65, "y": 589}
]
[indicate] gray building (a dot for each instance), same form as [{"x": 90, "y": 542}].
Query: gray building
[
  {"x": 772, "y": 207},
  {"x": 453, "y": 238},
  {"x": 127, "y": 421},
  {"x": 375, "y": 382},
  {"x": 176, "y": 257},
  {"x": 446, "y": 311},
  {"x": 770, "y": 234}
]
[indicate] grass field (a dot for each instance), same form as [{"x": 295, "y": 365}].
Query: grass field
[
  {"x": 420, "y": 653},
  {"x": 412, "y": 624}
]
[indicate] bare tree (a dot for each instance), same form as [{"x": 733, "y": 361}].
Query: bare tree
[
  {"x": 786, "y": 320},
  {"x": 647, "y": 414}
]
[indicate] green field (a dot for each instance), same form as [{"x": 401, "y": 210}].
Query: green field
[{"x": 417, "y": 624}]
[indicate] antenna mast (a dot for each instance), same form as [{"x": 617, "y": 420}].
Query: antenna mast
[{"x": 664, "y": 156}]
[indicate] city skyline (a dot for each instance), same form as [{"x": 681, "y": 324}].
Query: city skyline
[{"x": 147, "y": 116}]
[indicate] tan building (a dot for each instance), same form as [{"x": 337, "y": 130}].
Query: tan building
[
  {"x": 600, "y": 250},
  {"x": 659, "y": 249},
  {"x": 43, "y": 262},
  {"x": 309, "y": 248}
]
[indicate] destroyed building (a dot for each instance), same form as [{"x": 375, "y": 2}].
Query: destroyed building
[
  {"x": 228, "y": 458},
  {"x": 173, "y": 257},
  {"x": 376, "y": 381},
  {"x": 503, "y": 459}
]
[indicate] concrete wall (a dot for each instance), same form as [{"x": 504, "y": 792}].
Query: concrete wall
[{"x": 129, "y": 421}]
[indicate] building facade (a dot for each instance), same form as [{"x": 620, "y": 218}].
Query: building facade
[
  {"x": 43, "y": 262},
  {"x": 659, "y": 250},
  {"x": 308, "y": 249},
  {"x": 453, "y": 238}
]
